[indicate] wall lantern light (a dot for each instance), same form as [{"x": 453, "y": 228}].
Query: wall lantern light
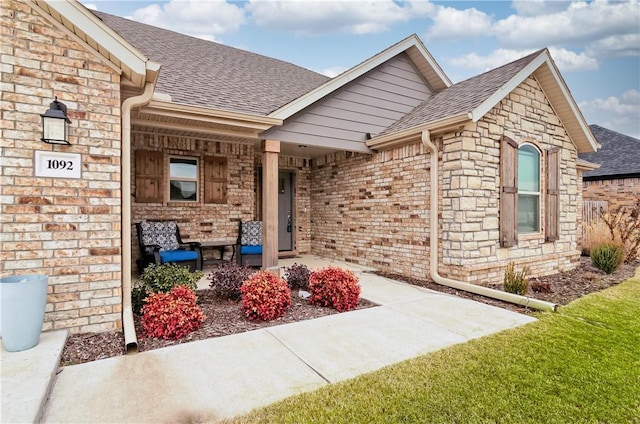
[{"x": 55, "y": 124}]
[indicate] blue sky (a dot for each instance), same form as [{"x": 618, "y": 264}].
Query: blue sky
[{"x": 595, "y": 44}]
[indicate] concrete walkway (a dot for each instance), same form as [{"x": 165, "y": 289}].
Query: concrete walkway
[{"x": 227, "y": 376}]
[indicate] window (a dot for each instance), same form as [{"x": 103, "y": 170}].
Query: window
[
  {"x": 186, "y": 182},
  {"x": 521, "y": 192},
  {"x": 183, "y": 179},
  {"x": 528, "y": 189}
]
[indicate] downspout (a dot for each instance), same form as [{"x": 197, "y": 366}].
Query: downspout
[
  {"x": 433, "y": 247},
  {"x": 130, "y": 340}
]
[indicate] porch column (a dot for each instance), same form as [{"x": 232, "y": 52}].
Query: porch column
[{"x": 270, "y": 151}]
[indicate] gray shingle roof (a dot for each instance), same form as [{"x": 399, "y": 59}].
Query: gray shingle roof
[
  {"x": 619, "y": 155},
  {"x": 462, "y": 97},
  {"x": 203, "y": 73}
]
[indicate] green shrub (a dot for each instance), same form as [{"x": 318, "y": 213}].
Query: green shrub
[
  {"x": 226, "y": 280},
  {"x": 265, "y": 296},
  {"x": 161, "y": 279},
  {"x": 516, "y": 282},
  {"x": 607, "y": 257},
  {"x": 297, "y": 276},
  {"x": 334, "y": 287}
]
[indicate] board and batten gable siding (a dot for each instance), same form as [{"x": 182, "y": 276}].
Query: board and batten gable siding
[{"x": 368, "y": 104}]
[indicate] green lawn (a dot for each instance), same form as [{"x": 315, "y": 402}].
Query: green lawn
[{"x": 578, "y": 365}]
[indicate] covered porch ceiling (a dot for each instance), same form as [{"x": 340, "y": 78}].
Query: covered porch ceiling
[{"x": 171, "y": 119}]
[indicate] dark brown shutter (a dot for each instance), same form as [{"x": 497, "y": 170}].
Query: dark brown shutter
[
  {"x": 149, "y": 167},
  {"x": 215, "y": 180},
  {"x": 552, "y": 195},
  {"x": 508, "y": 192}
]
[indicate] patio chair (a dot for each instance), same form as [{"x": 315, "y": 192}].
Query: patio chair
[
  {"x": 249, "y": 250},
  {"x": 160, "y": 243}
]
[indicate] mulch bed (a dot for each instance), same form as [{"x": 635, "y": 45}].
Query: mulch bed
[
  {"x": 225, "y": 317},
  {"x": 561, "y": 289}
]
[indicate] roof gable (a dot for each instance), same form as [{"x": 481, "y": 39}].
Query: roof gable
[
  {"x": 618, "y": 156},
  {"x": 473, "y": 98},
  {"x": 425, "y": 63}
]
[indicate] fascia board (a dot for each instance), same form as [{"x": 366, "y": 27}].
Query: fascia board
[
  {"x": 577, "y": 114},
  {"x": 100, "y": 33},
  {"x": 353, "y": 73},
  {"x": 178, "y": 110},
  {"x": 395, "y": 139},
  {"x": 584, "y": 165},
  {"x": 528, "y": 70},
  {"x": 507, "y": 88}
]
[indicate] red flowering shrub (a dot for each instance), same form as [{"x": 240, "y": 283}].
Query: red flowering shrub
[
  {"x": 171, "y": 315},
  {"x": 334, "y": 287},
  {"x": 265, "y": 296}
]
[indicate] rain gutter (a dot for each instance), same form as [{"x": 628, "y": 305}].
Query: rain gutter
[
  {"x": 433, "y": 260},
  {"x": 130, "y": 340}
]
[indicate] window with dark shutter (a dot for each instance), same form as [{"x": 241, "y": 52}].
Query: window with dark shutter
[
  {"x": 215, "y": 180},
  {"x": 552, "y": 196},
  {"x": 508, "y": 192},
  {"x": 149, "y": 166}
]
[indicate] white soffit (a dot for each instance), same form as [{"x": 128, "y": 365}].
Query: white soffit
[{"x": 432, "y": 72}]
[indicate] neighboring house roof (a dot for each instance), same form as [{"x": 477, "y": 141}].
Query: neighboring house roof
[
  {"x": 619, "y": 156},
  {"x": 203, "y": 73}
]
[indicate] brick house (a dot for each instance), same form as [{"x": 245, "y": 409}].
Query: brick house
[
  {"x": 617, "y": 181},
  {"x": 388, "y": 164}
]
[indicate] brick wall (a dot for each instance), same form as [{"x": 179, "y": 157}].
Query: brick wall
[
  {"x": 201, "y": 222},
  {"x": 373, "y": 210},
  {"x": 68, "y": 229},
  {"x": 622, "y": 192}
]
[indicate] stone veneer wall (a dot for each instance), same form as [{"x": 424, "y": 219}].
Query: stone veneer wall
[
  {"x": 373, "y": 210},
  {"x": 202, "y": 222},
  {"x": 68, "y": 229},
  {"x": 471, "y": 181},
  {"x": 620, "y": 192}
]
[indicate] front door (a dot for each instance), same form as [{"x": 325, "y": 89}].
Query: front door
[{"x": 285, "y": 210}]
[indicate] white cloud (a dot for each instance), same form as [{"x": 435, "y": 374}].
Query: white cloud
[
  {"x": 450, "y": 23},
  {"x": 566, "y": 60},
  {"x": 538, "y": 7},
  {"x": 496, "y": 58},
  {"x": 580, "y": 24},
  {"x": 90, "y": 6},
  {"x": 333, "y": 71},
  {"x": 203, "y": 19},
  {"x": 338, "y": 16},
  {"x": 620, "y": 114},
  {"x": 616, "y": 46}
]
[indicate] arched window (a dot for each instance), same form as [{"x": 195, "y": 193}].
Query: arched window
[{"x": 528, "y": 189}]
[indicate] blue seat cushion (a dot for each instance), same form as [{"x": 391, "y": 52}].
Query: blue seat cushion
[
  {"x": 178, "y": 255},
  {"x": 251, "y": 250}
]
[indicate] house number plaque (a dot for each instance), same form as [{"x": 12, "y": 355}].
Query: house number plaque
[{"x": 58, "y": 165}]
